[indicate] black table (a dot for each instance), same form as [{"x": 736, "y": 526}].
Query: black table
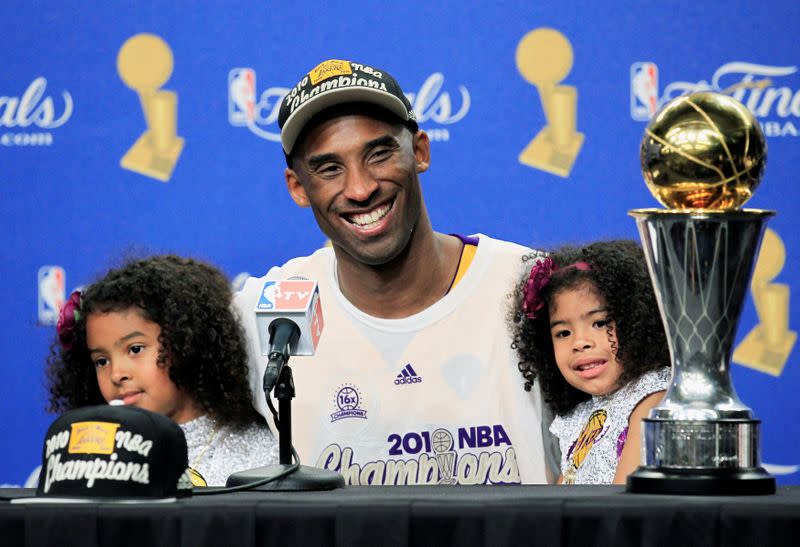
[{"x": 406, "y": 516}]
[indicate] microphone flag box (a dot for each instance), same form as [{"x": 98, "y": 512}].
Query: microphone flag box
[{"x": 296, "y": 300}]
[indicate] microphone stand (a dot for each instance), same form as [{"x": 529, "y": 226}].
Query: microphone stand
[
  {"x": 304, "y": 477},
  {"x": 284, "y": 392}
]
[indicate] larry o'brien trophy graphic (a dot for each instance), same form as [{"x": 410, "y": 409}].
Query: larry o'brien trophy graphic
[
  {"x": 702, "y": 156},
  {"x": 766, "y": 348},
  {"x": 145, "y": 64},
  {"x": 544, "y": 58}
]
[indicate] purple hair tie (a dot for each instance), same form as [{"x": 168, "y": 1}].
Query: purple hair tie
[{"x": 541, "y": 273}]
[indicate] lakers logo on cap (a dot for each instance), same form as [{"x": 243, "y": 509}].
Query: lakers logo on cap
[
  {"x": 92, "y": 438},
  {"x": 329, "y": 69}
]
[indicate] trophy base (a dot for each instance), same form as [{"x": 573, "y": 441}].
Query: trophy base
[
  {"x": 304, "y": 478},
  {"x": 541, "y": 153},
  {"x": 728, "y": 482}
]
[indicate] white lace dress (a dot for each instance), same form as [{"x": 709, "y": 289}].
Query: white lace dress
[
  {"x": 592, "y": 435},
  {"x": 216, "y": 452}
]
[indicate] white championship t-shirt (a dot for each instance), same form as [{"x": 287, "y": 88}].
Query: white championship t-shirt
[{"x": 435, "y": 398}]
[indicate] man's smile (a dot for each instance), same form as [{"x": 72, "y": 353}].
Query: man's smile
[{"x": 369, "y": 220}]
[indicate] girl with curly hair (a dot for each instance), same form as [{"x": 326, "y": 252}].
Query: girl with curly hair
[
  {"x": 160, "y": 334},
  {"x": 587, "y": 327}
]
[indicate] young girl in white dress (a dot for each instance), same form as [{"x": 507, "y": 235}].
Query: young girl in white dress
[
  {"x": 588, "y": 329},
  {"x": 160, "y": 334}
]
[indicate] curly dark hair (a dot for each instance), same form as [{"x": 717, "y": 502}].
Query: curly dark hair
[
  {"x": 201, "y": 340},
  {"x": 619, "y": 274}
]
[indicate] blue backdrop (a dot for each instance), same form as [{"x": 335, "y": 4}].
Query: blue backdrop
[{"x": 70, "y": 210}]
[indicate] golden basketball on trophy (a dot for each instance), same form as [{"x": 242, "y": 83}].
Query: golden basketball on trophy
[{"x": 703, "y": 151}]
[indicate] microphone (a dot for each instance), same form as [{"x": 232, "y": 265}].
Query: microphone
[
  {"x": 283, "y": 333},
  {"x": 289, "y": 322}
]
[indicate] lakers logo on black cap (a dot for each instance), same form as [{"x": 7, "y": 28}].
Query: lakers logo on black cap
[{"x": 334, "y": 82}]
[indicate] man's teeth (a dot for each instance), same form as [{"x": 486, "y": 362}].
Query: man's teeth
[
  {"x": 590, "y": 366},
  {"x": 373, "y": 216}
]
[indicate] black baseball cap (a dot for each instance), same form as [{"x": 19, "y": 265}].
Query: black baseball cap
[
  {"x": 113, "y": 453},
  {"x": 334, "y": 82}
]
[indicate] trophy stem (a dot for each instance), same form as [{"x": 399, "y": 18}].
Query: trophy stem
[{"x": 701, "y": 439}]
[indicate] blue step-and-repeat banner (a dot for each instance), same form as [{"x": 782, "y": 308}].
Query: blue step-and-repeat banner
[{"x": 81, "y": 188}]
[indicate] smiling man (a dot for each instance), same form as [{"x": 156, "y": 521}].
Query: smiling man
[{"x": 414, "y": 380}]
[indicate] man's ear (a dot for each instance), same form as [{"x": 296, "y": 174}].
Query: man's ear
[
  {"x": 295, "y": 187},
  {"x": 422, "y": 151}
]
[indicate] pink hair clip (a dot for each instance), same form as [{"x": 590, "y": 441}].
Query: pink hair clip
[
  {"x": 68, "y": 317},
  {"x": 541, "y": 273}
]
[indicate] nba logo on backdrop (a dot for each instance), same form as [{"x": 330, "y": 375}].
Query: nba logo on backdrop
[
  {"x": 241, "y": 96},
  {"x": 644, "y": 91},
  {"x": 52, "y": 292}
]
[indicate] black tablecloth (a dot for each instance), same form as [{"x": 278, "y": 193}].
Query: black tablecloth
[{"x": 406, "y": 516}]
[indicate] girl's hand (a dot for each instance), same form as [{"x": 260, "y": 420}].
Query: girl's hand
[{"x": 632, "y": 451}]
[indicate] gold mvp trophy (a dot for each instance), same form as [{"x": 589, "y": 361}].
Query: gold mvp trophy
[
  {"x": 702, "y": 156},
  {"x": 544, "y": 58},
  {"x": 145, "y": 64}
]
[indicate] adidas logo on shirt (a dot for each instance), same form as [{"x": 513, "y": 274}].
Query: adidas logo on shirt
[{"x": 407, "y": 376}]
